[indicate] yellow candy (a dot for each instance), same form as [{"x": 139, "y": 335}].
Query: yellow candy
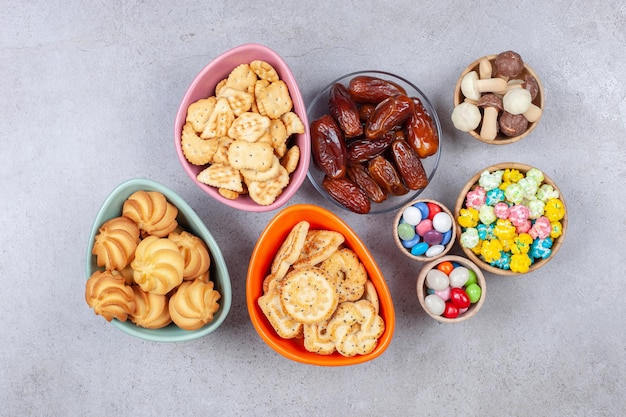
[
  {"x": 557, "y": 229},
  {"x": 468, "y": 217},
  {"x": 520, "y": 263},
  {"x": 512, "y": 175},
  {"x": 504, "y": 184},
  {"x": 554, "y": 210},
  {"x": 476, "y": 249},
  {"x": 490, "y": 250},
  {"x": 522, "y": 244},
  {"x": 504, "y": 230}
]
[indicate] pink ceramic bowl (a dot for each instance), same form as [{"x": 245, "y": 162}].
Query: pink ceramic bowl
[{"x": 203, "y": 86}]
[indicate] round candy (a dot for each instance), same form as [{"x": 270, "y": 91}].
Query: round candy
[
  {"x": 459, "y": 298},
  {"x": 434, "y": 250},
  {"x": 447, "y": 236},
  {"x": 433, "y": 237},
  {"x": 444, "y": 294},
  {"x": 450, "y": 311},
  {"x": 437, "y": 280},
  {"x": 419, "y": 249},
  {"x": 412, "y": 215},
  {"x": 424, "y": 226},
  {"x": 410, "y": 243},
  {"x": 471, "y": 278},
  {"x": 406, "y": 231},
  {"x": 434, "y": 304},
  {"x": 433, "y": 209},
  {"x": 474, "y": 292},
  {"x": 446, "y": 267},
  {"x": 442, "y": 222},
  {"x": 459, "y": 276},
  {"x": 423, "y": 208}
]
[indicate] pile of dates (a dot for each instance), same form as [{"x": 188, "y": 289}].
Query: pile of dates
[{"x": 371, "y": 143}]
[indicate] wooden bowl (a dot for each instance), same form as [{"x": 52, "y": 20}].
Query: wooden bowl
[
  {"x": 501, "y": 139},
  {"x": 460, "y": 203},
  {"x": 407, "y": 251},
  {"x": 422, "y": 289}
]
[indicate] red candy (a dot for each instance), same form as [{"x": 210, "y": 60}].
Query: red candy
[
  {"x": 451, "y": 311},
  {"x": 459, "y": 298},
  {"x": 433, "y": 209}
]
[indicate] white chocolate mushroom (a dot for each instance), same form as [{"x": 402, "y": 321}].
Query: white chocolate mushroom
[
  {"x": 516, "y": 101},
  {"x": 472, "y": 86},
  {"x": 466, "y": 116}
]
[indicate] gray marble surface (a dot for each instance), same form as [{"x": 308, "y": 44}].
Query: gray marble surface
[{"x": 89, "y": 91}]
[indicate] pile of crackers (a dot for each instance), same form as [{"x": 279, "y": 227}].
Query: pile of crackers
[{"x": 241, "y": 134}]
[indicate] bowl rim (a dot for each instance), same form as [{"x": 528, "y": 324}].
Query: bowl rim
[
  {"x": 285, "y": 220},
  {"x": 423, "y": 258},
  {"x": 245, "y": 53},
  {"x": 412, "y": 194},
  {"x": 121, "y": 192},
  {"x": 522, "y": 167},
  {"x": 480, "y": 278},
  {"x": 501, "y": 139}
]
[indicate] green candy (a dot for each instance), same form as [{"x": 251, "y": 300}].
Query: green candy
[
  {"x": 472, "y": 277},
  {"x": 406, "y": 231},
  {"x": 474, "y": 292}
]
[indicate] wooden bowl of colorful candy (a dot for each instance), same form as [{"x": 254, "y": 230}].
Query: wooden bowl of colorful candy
[
  {"x": 424, "y": 230},
  {"x": 451, "y": 289},
  {"x": 511, "y": 219}
]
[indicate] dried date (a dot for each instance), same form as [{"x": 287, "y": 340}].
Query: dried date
[
  {"x": 420, "y": 131},
  {"x": 345, "y": 111},
  {"x": 388, "y": 114},
  {"x": 369, "y": 89},
  {"x": 365, "y": 111},
  {"x": 328, "y": 146},
  {"x": 348, "y": 194},
  {"x": 362, "y": 150},
  {"x": 385, "y": 175},
  {"x": 359, "y": 175},
  {"x": 409, "y": 165}
]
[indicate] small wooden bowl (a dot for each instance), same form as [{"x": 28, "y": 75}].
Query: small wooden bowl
[
  {"x": 460, "y": 203},
  {"x": 501, "y": 139},
  {"x": 407, "y": 252},
  {"x": 480, "y": 280}
]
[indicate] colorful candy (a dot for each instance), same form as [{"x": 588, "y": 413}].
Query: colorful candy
[
  {"x": 519, "y": 217},
  {"x": 425, "y": 229},
  {"x": 451, "y": 289}
]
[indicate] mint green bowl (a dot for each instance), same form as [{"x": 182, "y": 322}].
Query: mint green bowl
[{"x": 188, "y": 219}]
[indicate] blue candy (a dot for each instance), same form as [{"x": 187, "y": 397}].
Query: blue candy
[
  {"x": 419, "y": 249},
  {"x": 494, "y": 196},
  {"x": 446, "y": 237},
  {"x": 541, "y": 248},
  {"x": 485, "y": 232},
  {"x": 412, "y": 242},
  {"x": 423, "y": 208},
  {"x": 504, "y": 262}
]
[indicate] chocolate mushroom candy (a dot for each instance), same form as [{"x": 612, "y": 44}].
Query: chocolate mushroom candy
[
  {"x": 485, "y": 68},
  {"x": 534, "y": 112},
  {"x": 492, "y": 105},
  {"x": 512, "y": 124},
  {"x": 509, "y": 64},
  {"x": 466, "y": 116},
  {"x": 519, "y": 101},
  {"x": 472, "y": 87}
]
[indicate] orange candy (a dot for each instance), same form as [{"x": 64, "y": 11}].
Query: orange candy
[{"x": 445, "y": 267}]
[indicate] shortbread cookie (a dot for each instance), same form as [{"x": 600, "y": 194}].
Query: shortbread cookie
[
  {"x": 370, "y": 294},
  {"x": 270, "y": 303},
  {"x": 109, "y": 296},
  {"x": 348, "y": 272},
  {"x": 194, "y": 304},
  {"x": 290, "y": 249},
  {"x": 115, "y": 243},
  {"x": 355, "y": 328},
  {"x": 152, "y": 212},
  {"x": 195, "y": 254},
  {"x": 317, "y": 339},
  {"x": 151, "y": 309},
  {"x": 158, "y": 265},
  {"x": 308, "y": 295}
]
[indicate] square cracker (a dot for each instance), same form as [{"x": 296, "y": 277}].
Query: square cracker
[
  {"x": 274, "y": 100},
  {"x": 246, "y": 155}
]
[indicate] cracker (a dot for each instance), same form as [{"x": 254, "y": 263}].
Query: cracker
[
  {"x": 317, "y": 339},
  {"x": 355, "y": 328},
  {"x": 220, "y": 86},
  {"x": 221, "y": 176},
  {"x": 221, "y": 153},
  {"x": 319, "y": 246},
  {"x": 371, "y": 295},
  {"x": 290, "y": 249},
  {"x": 245, "y": 155},
  {"x": 229, "y": 194},
  {"x": 219, "y": 120},
  {"x": 279, "y": 135},
  {"x": 265, "y": 193},
  {"x": 197, "y": 151},
  {"x": 274, "y": 100},
  {"x": 270, "y": 303},
  {"x": 249, "y": 126},
  {"x": 348, "y": 272},
  {"x": 241, "y": 77},
  {"x": 264, "y": 70},
  {"x": 291, "y": 159},
  {"x": 256, "y": 175},
  {"x": 308, "y": 295},
  {"x": 238, "y": 100},
  {"x": 293, "y": 123},
  {"x": 198, "y": 113}
]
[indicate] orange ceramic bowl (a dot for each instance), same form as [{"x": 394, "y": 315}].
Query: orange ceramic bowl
[{"x": 267, "y": 245}]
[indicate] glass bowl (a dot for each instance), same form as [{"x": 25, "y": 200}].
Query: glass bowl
[{"x": 319, "y": 107}]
